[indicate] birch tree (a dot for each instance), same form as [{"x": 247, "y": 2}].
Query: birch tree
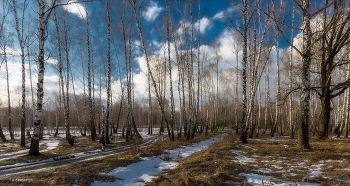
[
  {"x": 66, "y": 49},
  {"x": 91, "y": 113},
  {"x": 5, "y": 59},
  {"x": 43, "y": 16},
  {"x": 4, "y": 35},
  {"x": 127, "y": 59},
  {"x": 172, "y": 117},
  {"x": 303, "y": 127},
  {"x": 278, "y": 81},
  {"x": 21, "y": 41},
  {"x": 106, "y": 138},
  {"x": 45, "y": 10},
  {"x": 244, "y": 70},
  {"x": 138, "y": 24},
  {"x": 2, "y": 136},
  {"x": 291, "y": 124}
]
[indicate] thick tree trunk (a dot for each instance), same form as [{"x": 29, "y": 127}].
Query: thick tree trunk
[
  {"x": 2, "y": 136},
  {"x": 303, "y": 130},
  {"x": 34, "y": 146},
  {"x": 324, "y": 119}
]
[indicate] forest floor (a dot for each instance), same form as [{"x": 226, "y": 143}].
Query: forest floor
[
  {"x": 263, "y": 161},
  {"x": 217, "y": 159}
]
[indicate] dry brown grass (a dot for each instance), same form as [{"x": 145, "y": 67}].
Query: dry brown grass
[
  {"x": 218, "y": 165},
  {"x": 63, "y": 148},
  {"x": 11, "y": 146},
  {"x": 87, "y": 172}
]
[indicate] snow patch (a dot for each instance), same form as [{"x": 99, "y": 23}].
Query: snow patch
[
  {"x": 256, "y": 179},
  {"x": 143, "y": 171}
]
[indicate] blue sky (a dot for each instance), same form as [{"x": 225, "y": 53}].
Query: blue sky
[{"x": 213, "y": 24}]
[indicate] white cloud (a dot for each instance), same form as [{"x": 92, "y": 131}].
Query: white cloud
[
  {"x": 205, "y": 24},
  {"x": 75, "y": 8},
  {"x": 222, "y": 14},
  {"x": 9, "y": 51},
  {"x": 219, "y": 15},
  {"x": 51, "y": 61},
  {"x": 152, "y": 11},
  {"x": 15, "y": 81}
]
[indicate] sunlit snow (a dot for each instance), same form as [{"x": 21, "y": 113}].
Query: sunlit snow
[{"x": 145, "y": 170}]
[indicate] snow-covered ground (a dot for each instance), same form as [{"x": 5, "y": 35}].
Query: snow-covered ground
[
  {"x": 282, "y": 165},
  {"x": 49, "y": 142},
  {"x": 257, "y": 180},
  {"x": 143, "y": 171},
  {"x": 149, "y": 167}
]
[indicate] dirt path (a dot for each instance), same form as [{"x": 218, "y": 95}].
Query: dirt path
[{"x": 45, "y": 165}]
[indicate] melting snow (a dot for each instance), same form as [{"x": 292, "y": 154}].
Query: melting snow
[
  {"x": 145, "y": 170},
  {"x": 256, "y": 179}
]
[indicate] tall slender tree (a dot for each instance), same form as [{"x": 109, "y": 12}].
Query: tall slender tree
[
  {"x": 91, "y": 113},
  {"x": 172, "y": 118},
  {"x": 244, "y": 70},
  {"x": 21, "y": 41},
  {"x": 106, "y": 138}
]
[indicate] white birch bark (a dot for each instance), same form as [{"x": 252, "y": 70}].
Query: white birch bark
[
  {"x": 236, "y": 89},
  {"x": 244, "y": 72},
  {"x": 21, "y": 41},
  {"x": 198, "y": 64},
  {"x": 303, "y": 136},
  {"x": 66, "y": 48},
  {"x": 91, "y": 113},
  {"x": 291, "y": 125},
  {"x": 172, "y": 117},
  {"x": 190, "y": 79},
  {"x": 133, "y": 3},
  {"x": 34, "y": 146},
  {"x": 106, "y": 138},
  {"x": 346, "y": 106}
]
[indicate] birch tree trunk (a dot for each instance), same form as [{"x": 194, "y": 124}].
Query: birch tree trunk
[
  {"x": 31, "y": 82},
  {"x": 22, "y": 46},
  {"x": 303, "y": 128},
  {"x": 3, "y": 18},
  {"x": 133, "y": 4},
  {"x": 277, "y": 118},
  {"x": 347, "y": 103},
  {"x": 34, "y": 145},
  {"x": 172, "y": 117},
  {"x": 91, "y": 113},
  {"x": 291, "y": 125},
  {"x": 236, "y": 90},
  {"x": 66, "y": 48},
  {"x": 190, "y": 79},
  {"x": 244, "y": 71},
  {"x": 8, "y": 92},
  {"x": 106, "y": 137},
  {"x": 198, "y": 65}
]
